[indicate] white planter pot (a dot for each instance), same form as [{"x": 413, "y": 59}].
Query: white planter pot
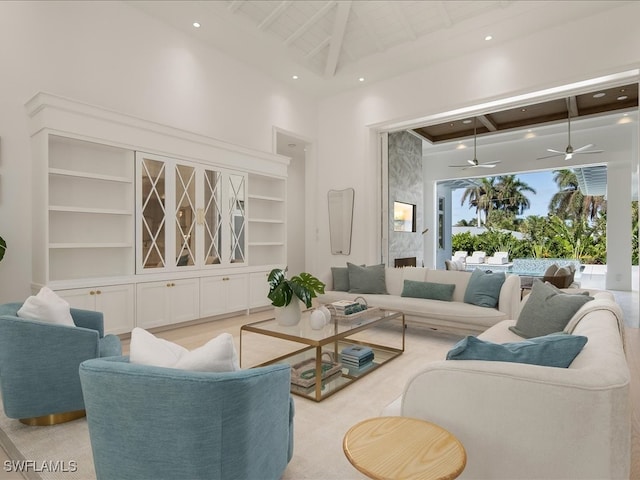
[{"x": 289, "y": 315}]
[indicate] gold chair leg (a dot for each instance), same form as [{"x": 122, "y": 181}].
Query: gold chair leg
[{"x": 54, "y": 418}]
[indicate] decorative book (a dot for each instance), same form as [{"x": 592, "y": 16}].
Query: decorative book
[{"x": 303, "y": 374}]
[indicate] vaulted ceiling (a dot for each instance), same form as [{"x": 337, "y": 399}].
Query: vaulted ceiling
[
  {"x": 330, "y": 45},
  {"x": 324, "y": 47}
]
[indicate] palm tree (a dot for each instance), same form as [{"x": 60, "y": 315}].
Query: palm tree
[
  {"x": 511, "y": 194},
  {"x": 481, "y": 197},
  {"x": 570, "y": 203}
]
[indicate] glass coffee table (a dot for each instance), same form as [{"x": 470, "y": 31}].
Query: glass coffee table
[{"x": 318, "y": 353}]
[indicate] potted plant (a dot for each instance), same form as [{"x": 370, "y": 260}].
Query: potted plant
[{"x": 283, "y": 290}]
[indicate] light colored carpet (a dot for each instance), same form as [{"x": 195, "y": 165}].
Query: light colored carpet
[{"x": 319, "y": 427}]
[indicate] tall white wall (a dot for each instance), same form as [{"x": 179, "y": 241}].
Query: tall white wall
[
  {"x": 112, "y": 55},
  {"x": 576, "y": 51}
]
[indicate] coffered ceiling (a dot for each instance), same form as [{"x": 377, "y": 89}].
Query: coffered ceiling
[{"x": 598, "y": 102}]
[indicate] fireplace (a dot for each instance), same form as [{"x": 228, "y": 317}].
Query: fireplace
[{"x": 405, "y": 262}]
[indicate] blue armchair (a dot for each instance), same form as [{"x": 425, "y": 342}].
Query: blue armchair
[
  {"x": 39, "y": 364},
  {"x": 162, "y": 423}
]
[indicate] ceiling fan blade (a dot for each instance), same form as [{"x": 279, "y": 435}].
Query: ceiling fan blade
[
  {"x": 460, "y": 166},
  {"x": 550, "y": 156},
  {"x": 486, "y": 165},
  {"x": 590, "y": 151},
  {"x": 586, "y": 147},
  {"x": 554, "y": 151}
]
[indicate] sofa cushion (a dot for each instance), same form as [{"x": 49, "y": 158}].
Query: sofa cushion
[
  {"x": 217, "y": 355},
  {"x": 370, "y": 279},
  {"x": 459, "y": 279},
  {"x": 547, "y": 310},
  {"x": 430, "y": 290},
  {"x": 340, "y": 277},
  {"x": 484, "y": 288},
  {"x": 556, "y": 350},
  {"x": 419, "y": 274},
  {"x": 46, "y": 306},
  {"x": 393, "y": 278},
  {"x": 551, "y": 270}
]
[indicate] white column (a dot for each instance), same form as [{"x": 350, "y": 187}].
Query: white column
[{"x": 618, "y": 226}]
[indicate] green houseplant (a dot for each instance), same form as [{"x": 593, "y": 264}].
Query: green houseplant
[{"x": 283, "y": 290}]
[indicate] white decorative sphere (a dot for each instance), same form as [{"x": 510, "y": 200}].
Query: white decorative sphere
[
  {"x": 317, "y": 320},
  {"x": 326, "y": 312}
]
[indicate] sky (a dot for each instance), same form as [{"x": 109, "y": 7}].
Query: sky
[{"x": 541, "y": 182}]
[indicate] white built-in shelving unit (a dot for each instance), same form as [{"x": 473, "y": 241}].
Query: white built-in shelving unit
[{"x": 149, "y": 224}]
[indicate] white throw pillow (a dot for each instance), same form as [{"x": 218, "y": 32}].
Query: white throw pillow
[
  {"x": 46, "y": 306},
  {"x": 217, "y": 355}
]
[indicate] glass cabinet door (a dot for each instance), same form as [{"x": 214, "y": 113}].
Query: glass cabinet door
[
  {"x": 189, "y": 215},
  {"x": 237, "y": 218},
  {"x": 153, "y": 214},
  {"x": 212, "y": 217},
  {"x": 185, "y": 215}
]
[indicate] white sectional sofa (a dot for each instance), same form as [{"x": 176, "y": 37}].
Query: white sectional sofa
[
  {"x": 522, "y": 421},
  {"x": 455, "y": 315}
]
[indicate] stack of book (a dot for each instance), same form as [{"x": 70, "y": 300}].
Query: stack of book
[
  {"x": 356, "y": 357},
  {"x": 344, "y": 306}
]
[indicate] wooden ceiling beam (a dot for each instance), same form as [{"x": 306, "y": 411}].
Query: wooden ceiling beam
[
  {"x": 318, "y": 48},
  {"x": 403, "y": 21},
  {"x": 444, "y": 15},
  {"x": 306, "y": 26},
  {"x": 374, "y": 38},
  {"x": 235, "y": 5},
  {"x": 484, "y": 120},
  {"x": 572, "y": 107},
  {"x": 274, "y": 15},
  {"x": 339, "y": 28}
]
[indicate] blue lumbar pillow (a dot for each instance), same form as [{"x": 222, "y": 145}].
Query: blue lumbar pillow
[
  {"x": 556, "y": 350},
  {"x": 428, "y": 290}
]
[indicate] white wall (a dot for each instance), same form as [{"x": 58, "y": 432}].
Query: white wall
[
  {"x": 576, "y": 51},
  {"x": 112, "y": 55}
]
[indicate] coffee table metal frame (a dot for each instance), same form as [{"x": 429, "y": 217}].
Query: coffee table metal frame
[{"x": 332, "y": 338}]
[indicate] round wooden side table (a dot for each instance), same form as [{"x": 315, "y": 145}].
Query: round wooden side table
[{"x": 404, "y": 448}]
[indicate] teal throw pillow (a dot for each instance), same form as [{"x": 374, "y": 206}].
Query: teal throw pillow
[
  {"x": 556, "y": 350},
  {"x": 369, "y": 279},
  {"x": 429, "y": 290},
  {"x": 547, "y": 310},
  {"x": 340, "y": 279},
  {"x": 484, "y": 288}
]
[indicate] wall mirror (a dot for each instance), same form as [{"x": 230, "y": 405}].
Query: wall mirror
[{"x": 340, "y": 220}]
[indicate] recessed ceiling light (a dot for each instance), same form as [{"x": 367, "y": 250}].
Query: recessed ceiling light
[
  {"x": 523, "y": 109},
  {"x": 622, "y": 97},
  {"x": 599, "y": 95},
  {"x": 292, "y": 145},
  {"x": 295, "y": 77},
  {"x": 488, "y": 37},
  {"x": 461, "y": 146},
  {"x": 466, "y": 122},
  {"x": 361, "y": 79},
  {"x": 196, "y": 24}
]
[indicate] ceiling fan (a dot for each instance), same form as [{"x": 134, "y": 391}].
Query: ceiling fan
[
  {"x": 474, "y": 163},
  {"x": 570, "y": 151}
]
